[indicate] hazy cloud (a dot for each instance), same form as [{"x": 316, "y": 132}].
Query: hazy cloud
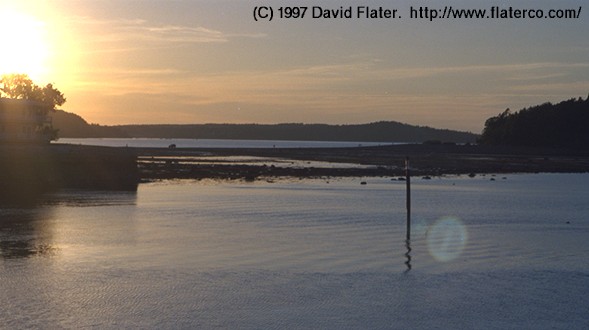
[{"x": 121, "y": 33}]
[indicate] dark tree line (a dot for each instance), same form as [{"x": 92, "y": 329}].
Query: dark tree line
[{"x": 562, "y": 125}]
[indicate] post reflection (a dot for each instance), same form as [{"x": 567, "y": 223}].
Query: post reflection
[{"x": 408, "y": 255}]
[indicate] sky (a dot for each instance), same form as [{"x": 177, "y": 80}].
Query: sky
[{"x": 192, "y": 61}]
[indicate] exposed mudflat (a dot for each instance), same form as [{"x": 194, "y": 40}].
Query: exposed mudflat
[{"x": 425, "y": 160}]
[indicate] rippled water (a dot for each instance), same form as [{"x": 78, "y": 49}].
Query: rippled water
[{"x": 302, "y": 254}]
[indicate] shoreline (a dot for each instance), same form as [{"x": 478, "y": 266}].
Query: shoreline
[{"x": 27, "y": 171}]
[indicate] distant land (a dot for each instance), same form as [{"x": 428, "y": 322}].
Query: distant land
[
  {"x": 563, "y": 125},
  {"x": 73, "y": 126}
]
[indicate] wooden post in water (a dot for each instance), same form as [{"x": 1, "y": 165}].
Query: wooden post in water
[{"x": 408, "y": 181}]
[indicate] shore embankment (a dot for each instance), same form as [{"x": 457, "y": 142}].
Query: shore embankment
[
  {"x": 26, "y": 169},
  {"x": 425, "y": 160}
]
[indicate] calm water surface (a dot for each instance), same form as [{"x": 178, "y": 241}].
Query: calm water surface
[
  {"x": 509, "y": 253},
  {"x": 210, "y": 143}
]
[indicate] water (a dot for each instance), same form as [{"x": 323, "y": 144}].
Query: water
[
  {"x": 302, "y": 254},
  {"x": 211, "y": 143}
]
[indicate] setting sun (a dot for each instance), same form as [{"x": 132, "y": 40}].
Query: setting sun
[{"x": 24, "y": 45}]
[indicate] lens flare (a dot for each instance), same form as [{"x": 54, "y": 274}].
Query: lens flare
[{"x": 446, "y": 239}]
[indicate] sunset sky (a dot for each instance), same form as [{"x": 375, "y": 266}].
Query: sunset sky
[{"x": 209, "y": 61}]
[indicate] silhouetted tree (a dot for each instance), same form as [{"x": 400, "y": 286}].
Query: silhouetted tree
[{"x": 20, "y": 86}]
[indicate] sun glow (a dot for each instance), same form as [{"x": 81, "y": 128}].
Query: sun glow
[{"x": 24, "y": 46}]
